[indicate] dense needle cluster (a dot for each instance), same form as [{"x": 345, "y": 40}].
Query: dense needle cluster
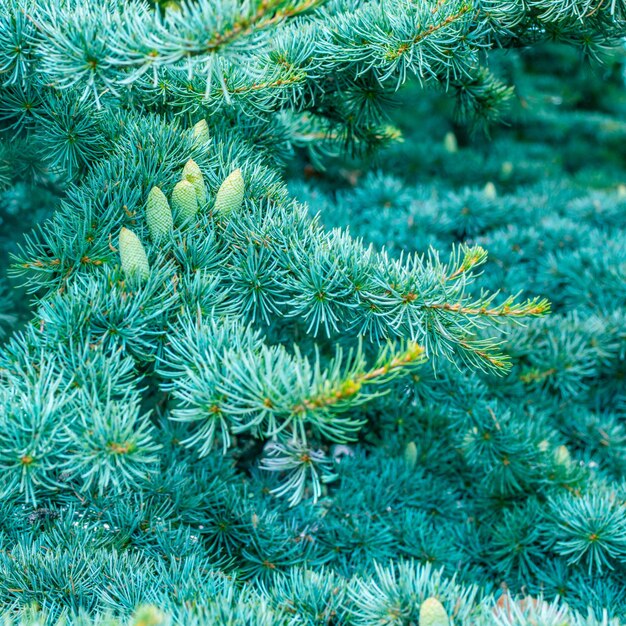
[{"x": 250, "y": 391}]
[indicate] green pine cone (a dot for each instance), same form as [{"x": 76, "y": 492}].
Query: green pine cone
[
  {"x": 158, "y": 215},
  {"x": 149, "y": 615},
  {"x": 230, "y": 194},
  {"x": 410, "y": 455},
  {"x": 450, "y": 143},
  {"x": 490, "y": 191},
  {"x": 201, "y": 133},
  {"x": 432, "y": 613},
  {"x": 184, "y": 201},
  {"x": 562, "y": 456},
  {"x": 133, "y": 255},
  {"x": 192, "y": 173}
]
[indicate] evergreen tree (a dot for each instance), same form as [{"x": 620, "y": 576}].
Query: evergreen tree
[{"x": 225, "y": 407}]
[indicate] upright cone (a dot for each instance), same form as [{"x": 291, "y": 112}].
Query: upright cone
[
  {"x": 133, "y": 255},
  {"x": 230, "y": 194},
  {"x": 184, "y": 201},
  {"x": 201, "y": 133},
  {"x": 149, "y": 615},
  {"x": 192, "y": 173},
  {"x": 562, "y": 456},
  {"x": 432, "y": 613},
  {"x": 158, "y": 215},
  {"x": 490, "y": 191},
  {"x": 450, "y": 143},
  {"x": 410, "y": 455}
]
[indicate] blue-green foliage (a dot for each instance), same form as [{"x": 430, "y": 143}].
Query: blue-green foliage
[
  {"x": 538, "y": 454},
  {"x": 320, "y": 406}
]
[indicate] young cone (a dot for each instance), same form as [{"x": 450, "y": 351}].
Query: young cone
[
  {"x": 410, "y": 455},
  {"x": 432, "y": 613},
  {"x": 230, "y": 194},
  {"x": 490, "y": 191},
  {"x": 450, "y": 143},
  {"x": 158, "y": 215},
  {"x": 149, "y": 615},
  {"x": 562, "y": 456},
  {"x": 192, "y": 173},
  {"x": 201, "y": 133},
  {"x": 133, "y": 255},
  {"x": 184, "y": 201}
]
